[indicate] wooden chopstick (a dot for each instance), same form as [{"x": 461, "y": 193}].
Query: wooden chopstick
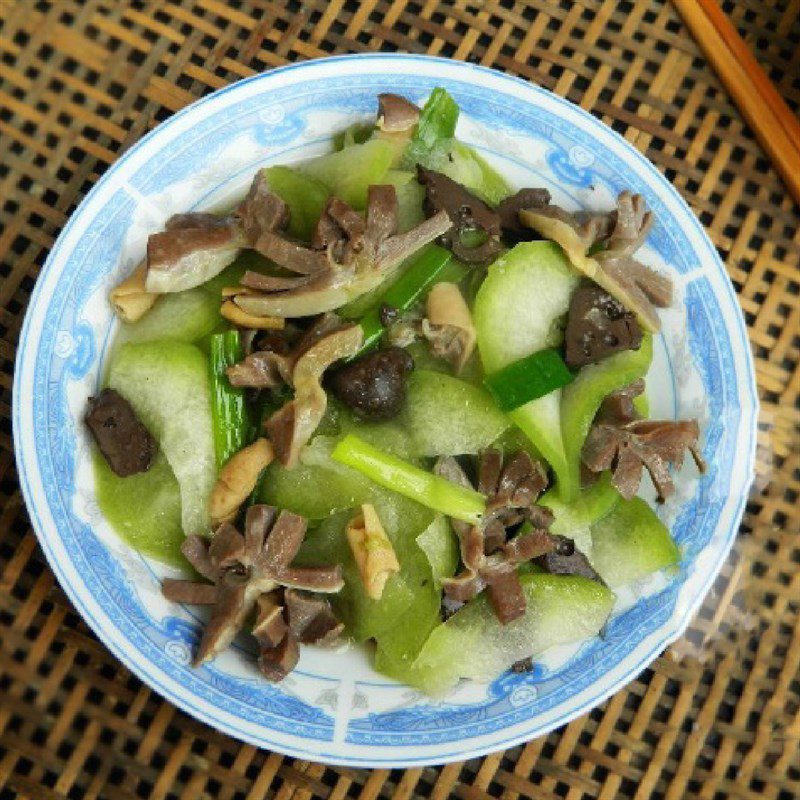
[{"x": 772, "y": 121}]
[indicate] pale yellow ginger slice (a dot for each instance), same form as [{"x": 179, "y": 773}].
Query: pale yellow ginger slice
[
  {"x": 229, "y": 292},
  {"x": 238, "y": 316},
  {"x": 372, "y": 550},
  {"x": 130, "y": 299},
  {"x": 237, "y": 479},
  {"x": 448, "y": 325}
]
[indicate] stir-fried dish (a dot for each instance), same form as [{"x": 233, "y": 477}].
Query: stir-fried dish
[{"x": 387, "y": 399}]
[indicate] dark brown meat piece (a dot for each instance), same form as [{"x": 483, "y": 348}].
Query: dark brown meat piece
[
  {"x": 656, "y": 287},
  {"x": 598, "y": 326},
  {"x": 505, "y": 593},
  {"x": 227, "y": 550},
  {"x": 488, "y": 559},
  {"x": 374, "y": 386},
  {"x": 276, "y": 663},
  {"x": 326, "y": 343},
  {"x": 466, "y": 213},
  {"x": 528, "y": 546},
  {"x": 490, "y": 465},
  {"x": 327, "y": 231},
  {"x": 247, "y": 572},
  {"x": 283, "y": 542},
  {"x": 311, "y": 619},
  {"x": 261, "y": 210},
  {"x": 189, "y": 237},
  {"x": 631, "y": 223},
  {"x": 280, "y": 342},
  {"x": 263, "y": 369},
  {"x": 511, "y": 492},
  {"x": 617, "y": 408},
  {"x": 509, "y": 209},
  {"x": 274, "y": 283},
  {"x": 562, "y": 562},
  {"x": 523, "y": 665},
  {"x": 196, "y": 219},
  {"x": 340, "y": 228},
  {"x": 291, "y": 255},
  {"x": 233, "y": 605},
  {"x": 382, "y": 216},
  {"x": 601, "y": 245},
  {"x": 655, "y": 445},
  {"x": 270, "y": 627},
  {"x": 324, "y": 291},
  {"x": 540, "y": 516},
  {"x": 125, "y": 443},
  {"x": 269, "y": 363},
  {"x": 350, "y": 221},
  {"x": 395, "y": 113},
  {"x": 258, "y": 522},
  {"x": 195, "y": 594},
  {"x": 195, "y": 551}
]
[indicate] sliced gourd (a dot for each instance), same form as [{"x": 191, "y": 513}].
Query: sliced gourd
[
  {"x": 357, "y": 133},
  {"x": 442, "y": 415},
  {"x": 517, "y": 311},
  {"x": 575, "y": 519},
  {"x": 440, "y": 546},
  {"x": 630, "y": 543},
  {"x": 392, "y": 437},
  {"x": 448, "y": 416},
  {"x": 473, "y": 643},
  {"x": 166, "y": 382},
  {"x": 514, "y": 440},
  {"x": 313, "y": 491},
  {"x": 155, "y": 527},
  {"x": 642, "y": 405},
  {"x": 399, "y": 645},
  {"x": 304, "y": 194},
  {"x": 363, "y": 617},
  {"x": 464, "y": 165},
  {"x": 350, "y": 172},
  {"x": 467, "y": 167},
  {"x": 181, "y": 316},
  {"x": 410, "y": 196}
]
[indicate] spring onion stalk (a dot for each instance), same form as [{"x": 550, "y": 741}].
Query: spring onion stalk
[
  {"x": 424, "y": 270},
  {"x": 417, "y": 484},
  {"x": 231, "y": 423},
  {"x": 522, "y": 381},
  {"x": 267, "y": 404}
]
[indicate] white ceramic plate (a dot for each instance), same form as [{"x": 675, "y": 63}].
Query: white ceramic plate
[{"x": 334, "y": 708}]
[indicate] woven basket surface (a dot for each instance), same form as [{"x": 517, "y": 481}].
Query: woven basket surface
[{"x": 718, "y": 714}]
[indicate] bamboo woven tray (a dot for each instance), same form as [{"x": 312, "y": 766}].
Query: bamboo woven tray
[{"x": 716, "y": 716}]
